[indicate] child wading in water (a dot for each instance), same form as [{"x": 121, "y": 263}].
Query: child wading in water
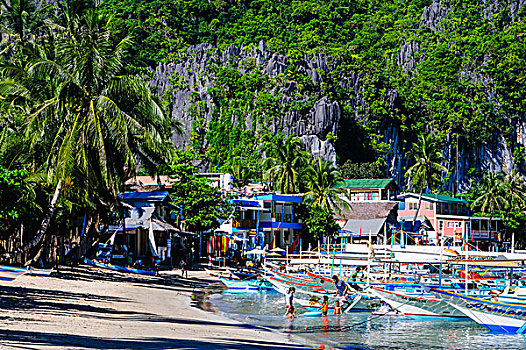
[
  {"x": 337, "y": 308},
  {"x": 324, "y": 306},
  {"x": 290, "y": 313}
]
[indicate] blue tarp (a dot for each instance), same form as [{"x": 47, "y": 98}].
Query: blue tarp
[{"x": 279, "y": 198}]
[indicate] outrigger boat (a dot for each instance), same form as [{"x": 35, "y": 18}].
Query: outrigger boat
[
  {"x": 496, "y": 316},
  {"x": 8, "y": 273},
  {"x": 416, "y": 303},
  {"x": 96, "y": 263},
  {"x": 247, "y": 285},
  {"x": 27, "y": 270}
]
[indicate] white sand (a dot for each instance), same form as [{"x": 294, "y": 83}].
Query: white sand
[{"x": 88, "y": 308}]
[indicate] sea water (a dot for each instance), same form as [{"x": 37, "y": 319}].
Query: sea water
[{"x": 360, "y": 330}]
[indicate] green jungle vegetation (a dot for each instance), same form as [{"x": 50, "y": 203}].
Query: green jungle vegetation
[
  {"x": 467, "y": 80},
  {"x": 77, "y": 118}
]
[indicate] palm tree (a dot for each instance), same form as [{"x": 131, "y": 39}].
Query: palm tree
[
  {"x": 514, "y": 187},
  {"x": 284, "y": 168},
  {"x": 321, "y": 179},
  {"x": 94, "y": 122},
  {"x": 427, "y": 164},
  {"x": 491, "y": 195},
  {"x": 23, "y": 27}
]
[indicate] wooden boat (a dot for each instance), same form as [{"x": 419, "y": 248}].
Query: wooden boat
[
  {"x": 9, "y": 273},
  {"x": 499, "y": 317},
  {"x": 96, "y": 263},
  {"x": 40, "y": 272},
  {"x": 29, "y": 271},
  {"x": 415, "y": 303},
  {"x": 246, "y": 285}
]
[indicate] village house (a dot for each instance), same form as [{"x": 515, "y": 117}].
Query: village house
[
  {"x": 444, "y": 216},
  {"x": 264, "y": 220},
  {"x": 373, "y": 209},
  {"x": 148, "y": 229}
]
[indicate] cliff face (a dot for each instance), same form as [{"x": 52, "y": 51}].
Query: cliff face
[
  {"x": 314, "y": 124},
  {"x": 311, "y": 125}
]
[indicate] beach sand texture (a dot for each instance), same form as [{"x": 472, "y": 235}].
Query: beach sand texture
[{"x": 89, "y": 308}]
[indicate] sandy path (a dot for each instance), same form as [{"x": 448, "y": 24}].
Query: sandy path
[{"x": 87, "y": 308}]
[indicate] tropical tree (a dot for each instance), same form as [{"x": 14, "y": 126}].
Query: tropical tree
[
  {"x": 199, "y": 203},
  {"x": 321, "y": 180},
  {"x": 93, "y": 122},
  {"x": 490, "y": 195},
  {"x": 23, "y": 28},
  {"x": 514, "y": 187},
  {"x": 284, "y": 167},
  {"x": 425, "y": 172},
  {"x": 318, "y": 221}
]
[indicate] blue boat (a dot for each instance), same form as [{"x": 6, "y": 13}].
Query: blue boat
[{"x": 247, "y": 285}]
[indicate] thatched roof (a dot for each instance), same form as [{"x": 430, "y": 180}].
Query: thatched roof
[{"x": 368, "y": 210}]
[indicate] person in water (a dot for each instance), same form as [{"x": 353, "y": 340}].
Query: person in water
[
  {"x": 291, "y": 312},
  {"x": 290, "y": 303},
  {"x": 354, "y": 278},
  {"x": 324, "y": 306},
  {"x": 337, "y": 308},
  {"x": 342, "y": 289}
]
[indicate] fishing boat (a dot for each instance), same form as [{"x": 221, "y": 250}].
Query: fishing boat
[
  {"x": 416, "y": 302},
  {"x": 96, "y": 263},
  {"x": 8, "y": 273},
  {"x": 29, "y": 270},
  {"x": 499, "y": 317},
  {"x": 40, "y": 272},
  {"x": 247, "y": 285}
]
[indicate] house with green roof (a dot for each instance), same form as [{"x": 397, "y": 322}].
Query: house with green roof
[
  {"x": 445, "y": 217},
  {"x": 361, "y": 190}
]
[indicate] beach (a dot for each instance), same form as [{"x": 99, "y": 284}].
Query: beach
[{"x": 90, "y": 308}]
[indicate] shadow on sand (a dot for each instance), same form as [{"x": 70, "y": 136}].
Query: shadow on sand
[{"x": 37, "y": 339}]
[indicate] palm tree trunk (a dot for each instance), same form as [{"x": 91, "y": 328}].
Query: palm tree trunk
[
  {"x": 418, "y": 208},
  {"x": 43, "y": 227}
]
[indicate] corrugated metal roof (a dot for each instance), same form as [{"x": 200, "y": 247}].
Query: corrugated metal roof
[
  {"x": 364, "y": 183},
  {"x": 354, "y": 227},
  {"x": 443, "y": 198},
  {"x": 153, "y": 196}
]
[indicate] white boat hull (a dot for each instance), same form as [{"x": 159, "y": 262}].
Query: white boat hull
[
  {"x": 494, "y": 315},
  {"x": 416, "y": 305}
]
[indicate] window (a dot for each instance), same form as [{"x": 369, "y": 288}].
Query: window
[
  {"x": 401, "y": 206},
  {"x": 454, "y": 224},
  {"x": 413, "y": 206},
  {"x": 440, "y": 225},
  {"x": 428, "y": 206}
]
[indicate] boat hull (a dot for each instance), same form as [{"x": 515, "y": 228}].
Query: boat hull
[
  {"x": 498, "y": 317},
  {"x": 425, "y": 305},
  {"x": 246, "y": 286},
  {"x": 119, "y": 268},
  {"x": 9, "y": 273}
]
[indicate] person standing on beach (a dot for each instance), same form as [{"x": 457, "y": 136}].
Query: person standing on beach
[{"x": 183, "y": 268}]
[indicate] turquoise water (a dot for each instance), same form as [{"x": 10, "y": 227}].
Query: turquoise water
[{"x": 360, "y": 331}]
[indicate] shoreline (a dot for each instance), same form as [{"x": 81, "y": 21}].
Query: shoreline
[{"x": 91, "y": 308}]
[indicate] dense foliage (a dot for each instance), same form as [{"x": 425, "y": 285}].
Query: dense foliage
[
  {"x": 458, "y": 75},
  {"x": 199, "y": 204},
  {"x": 70, "y": 114},
  {"x": 318, "y": 222}
]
